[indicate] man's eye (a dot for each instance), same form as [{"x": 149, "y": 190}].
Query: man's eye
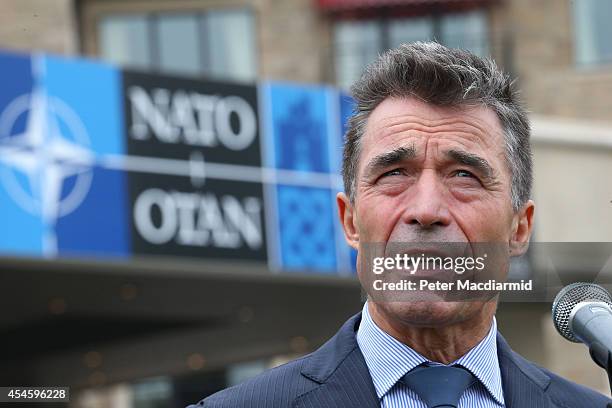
[
  {"x": 464, "y": 173},
  {"x": 394, "y": 172}
]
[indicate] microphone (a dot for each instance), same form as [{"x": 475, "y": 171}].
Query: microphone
[{"x": 582, "y": 313}]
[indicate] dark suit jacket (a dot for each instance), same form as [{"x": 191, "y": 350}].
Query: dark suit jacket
[{"x": 336, "y": 376}]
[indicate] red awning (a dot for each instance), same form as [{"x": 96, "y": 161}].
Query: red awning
[{"x": 345, "y": 5}]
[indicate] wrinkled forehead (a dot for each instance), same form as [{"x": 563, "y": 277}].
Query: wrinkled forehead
[{"x": 397, "y": 121}]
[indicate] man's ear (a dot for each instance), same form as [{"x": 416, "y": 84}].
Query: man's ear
[
  {"x": 522, "y": 226},
  {"x": 346, "y": 213}
]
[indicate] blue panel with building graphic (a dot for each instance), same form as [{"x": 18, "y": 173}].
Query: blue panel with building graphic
[{"x": 300, "y": 125}]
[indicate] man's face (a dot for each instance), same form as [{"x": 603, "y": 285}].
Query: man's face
[{"x": 429, "y": 174}]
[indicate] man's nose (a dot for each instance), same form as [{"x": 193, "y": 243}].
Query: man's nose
[{"x": 427, "y": 206}]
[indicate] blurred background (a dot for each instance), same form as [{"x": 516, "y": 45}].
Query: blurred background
[{"x": 169, "y": 167}]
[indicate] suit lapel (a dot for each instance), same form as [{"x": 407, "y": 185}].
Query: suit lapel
[
  {"x": 344, "y": 380},
  {"x": 523, "y": 383},
  {"x": 341, "y": 372}
]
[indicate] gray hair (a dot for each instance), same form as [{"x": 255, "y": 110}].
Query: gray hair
[{"x": 445, "y": 77}]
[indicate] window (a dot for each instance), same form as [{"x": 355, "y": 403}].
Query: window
[
  {"x": 178, "y": 45},
  {"x": 592, "y": 31},
  {"x": 356, "y": 43},
  {"x": 124, "y": 40},
  {"x": 215, "y": 44},
  {"x": 416, "y": 29},
  {"x": 467, "y": 31}
]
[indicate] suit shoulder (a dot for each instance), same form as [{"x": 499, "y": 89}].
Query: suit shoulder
[
  {"x": 276, "y": 387},
  {"x": 569, "y": 394},
  {"x": 562, "y": 392}
]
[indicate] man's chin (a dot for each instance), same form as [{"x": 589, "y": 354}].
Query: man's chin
[{"x": 431, "y": 313}]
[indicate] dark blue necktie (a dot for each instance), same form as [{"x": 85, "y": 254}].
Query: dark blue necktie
[{"x": 439, "y": 386}]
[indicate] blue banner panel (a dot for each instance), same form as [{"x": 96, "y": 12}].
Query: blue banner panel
[
  {"x": 95, "y": 161},
  {"x": 86, "y": 119},
  {"x": 303, "y": 144},
  {"x": 99, "y": 226},
  {"x": 92, "y": 90},
  {"x": 23, "y": 229},
  {"x": 307, "y": 238},
  {"x": 299, "y": 122}
]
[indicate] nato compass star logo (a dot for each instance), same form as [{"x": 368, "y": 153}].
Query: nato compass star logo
[{"x": 48, "y": 164}]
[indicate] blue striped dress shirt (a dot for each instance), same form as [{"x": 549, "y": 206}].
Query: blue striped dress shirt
[{"x": 388, "y": 360}]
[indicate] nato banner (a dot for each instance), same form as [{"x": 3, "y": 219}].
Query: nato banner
[{"x": 104, "y": 163}]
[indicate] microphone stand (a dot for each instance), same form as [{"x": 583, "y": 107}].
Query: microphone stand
[{"x": 603, "y": 358}]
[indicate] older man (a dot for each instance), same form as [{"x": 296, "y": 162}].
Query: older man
[{"x": 436, "y": 152}]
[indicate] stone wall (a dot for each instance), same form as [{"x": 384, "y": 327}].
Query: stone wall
[
  {"x": 47, "y": 25},
  {"x": 551, "y": 81}
]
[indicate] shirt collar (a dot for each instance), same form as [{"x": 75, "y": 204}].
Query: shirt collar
[{"x": 388, "y": 359}]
